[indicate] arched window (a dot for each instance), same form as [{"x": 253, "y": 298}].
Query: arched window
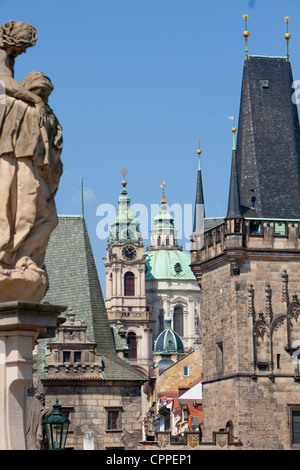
[
  {"x": 178, "y": 320},
  {"x": 158, "y": 240},
  {"x": 167, "y": 241},
  {"x": 129, "y": 284},
  {"x": 131, "y": 341}
]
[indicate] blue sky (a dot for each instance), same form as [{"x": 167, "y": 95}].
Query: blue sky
[{"x": 137, "y": 82}]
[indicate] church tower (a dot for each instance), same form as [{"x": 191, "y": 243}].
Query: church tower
[
  {"x": 248, "y": 269},
  {"x": 172, "y": 290},
  {"x": 125, "y": 284}
]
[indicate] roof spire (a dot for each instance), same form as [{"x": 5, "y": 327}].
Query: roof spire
[
  {"x": 246, "y": 35},
  {"x": 124, "y": 182},
  {"x": 287, "y": 36},
  {"x": 233, "y": 131},
  {"x": 234, "y": 209},
  {"x": 199, "y": 214},
  {"x": 81, "y": 198},
  {"x": 199, "y": 153}
]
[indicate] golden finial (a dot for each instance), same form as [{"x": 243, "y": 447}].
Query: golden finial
[
  {"x": 246, "y": 34},
  {"x": 233, "y": 130},
  {"x": 287, "y": 35},
  {"x": 163, "y": 199},
  {"x": 199, "y": 153},
  {"x": 124, "y": 182}
]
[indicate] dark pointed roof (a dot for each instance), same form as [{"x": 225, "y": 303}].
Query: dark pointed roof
[
  {"x": 199, "y": 202},
  {"x": 74, "y": 282},
  {"x": 234, "y": 208},
  {"x": 268, "y": 143}
]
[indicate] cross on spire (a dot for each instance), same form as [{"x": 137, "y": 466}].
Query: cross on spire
[{"x": 163, "y": 185}]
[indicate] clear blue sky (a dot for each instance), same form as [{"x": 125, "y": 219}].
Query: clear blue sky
[{"x": 137, "y": 82}]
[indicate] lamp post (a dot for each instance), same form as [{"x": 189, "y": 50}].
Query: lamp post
[{"x": 56, "y": 426}]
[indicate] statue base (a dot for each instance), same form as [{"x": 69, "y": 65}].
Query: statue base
[
  {"x": 26, "y": 282},
  {"x": 21, "y": 324}
]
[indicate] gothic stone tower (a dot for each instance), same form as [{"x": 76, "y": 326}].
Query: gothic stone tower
[
  {"x": 125, "y": 284},
  {"x": 248, "y": 268}
]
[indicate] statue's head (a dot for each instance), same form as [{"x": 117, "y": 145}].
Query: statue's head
[
  {"x": 17, "y": 37},
  {"x": 38, "y": 83}
]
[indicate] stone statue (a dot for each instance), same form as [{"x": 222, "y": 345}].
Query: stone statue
[
  {"x": 30, "y": 169},
  {"x": 36, "y": 412}
]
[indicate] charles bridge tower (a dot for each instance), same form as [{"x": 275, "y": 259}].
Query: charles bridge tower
[{"x": 248, "y": 268}]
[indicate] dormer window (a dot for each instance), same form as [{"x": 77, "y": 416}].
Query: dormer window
[{"x": 264, "y": 84}]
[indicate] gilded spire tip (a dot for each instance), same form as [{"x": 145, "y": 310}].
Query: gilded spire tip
[
  {"x": 163, "y": 199},
  {"x": 199, "y": 153},
  {"x": 287, "y": 35},
  {"x": 246, "y": 34},
  {"x": 124, "y": 182}
]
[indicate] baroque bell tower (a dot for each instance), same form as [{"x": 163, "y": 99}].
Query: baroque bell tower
[{"x": 125, "y": 284}]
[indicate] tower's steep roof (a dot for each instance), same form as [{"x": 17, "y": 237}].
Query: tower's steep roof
[
  {"x": 74, "y": 282},
  {"x": 268, "y": 142},
  {"x": 125, "y": 227}
]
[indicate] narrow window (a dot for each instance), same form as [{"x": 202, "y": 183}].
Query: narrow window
[
  {"x": 296, "y": 427},
  {"x": 77, "y": 356},
  {"x": 278, "y": 361},
  {"x": 220, "y": 358},
  {"x": 132, "y": 344},
  {"x": 66, "y": 356},
  {"x": 129, "y": 284},
  {"x": 186, "y": 371},
  {"x": 167, "y": 241},
  {"x": 178, "y": 320}
]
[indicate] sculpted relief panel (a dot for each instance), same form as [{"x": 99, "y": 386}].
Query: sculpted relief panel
[{"x": 30, "y": 170}]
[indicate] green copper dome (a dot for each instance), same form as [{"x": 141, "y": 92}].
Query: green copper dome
[
  {"x": 168, "y": 264},
  {"x": 168, "y": 341}
]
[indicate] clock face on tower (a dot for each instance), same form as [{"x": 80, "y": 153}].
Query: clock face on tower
[{"x": 129, "y": 253}]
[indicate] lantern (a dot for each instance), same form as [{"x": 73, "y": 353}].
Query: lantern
[{"x": 56, "y": 426}]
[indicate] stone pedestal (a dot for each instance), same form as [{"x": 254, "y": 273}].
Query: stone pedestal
[{"x": 21, "y": 324}]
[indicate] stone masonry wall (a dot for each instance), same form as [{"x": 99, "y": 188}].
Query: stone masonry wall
[
  {"x": 88, "y": 413},
  {"x": 256, "y": 399}
]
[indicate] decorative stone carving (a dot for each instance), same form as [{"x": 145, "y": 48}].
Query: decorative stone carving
[
  {"x": 192, "y": 439},
  {"x": 163, "y": 439},
  {"x": 269, "y": 312},
  {"x": 30, "y": 169},
  {"x": 221, "y": 439},
  {"x": 285, "y": 288},
  {"x": 251, "y": 308},
  {"x": 36, "y": 413}
]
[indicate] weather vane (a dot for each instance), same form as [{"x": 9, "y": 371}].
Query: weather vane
[{"x": 246, "y": 34}]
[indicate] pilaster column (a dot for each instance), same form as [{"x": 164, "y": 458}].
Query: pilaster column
[{"x": 21, "y": 324}]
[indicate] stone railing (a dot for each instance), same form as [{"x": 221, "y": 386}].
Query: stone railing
[{"x": 248, "y": 233}]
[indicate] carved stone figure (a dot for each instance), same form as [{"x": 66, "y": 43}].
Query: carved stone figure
[
  {"x": 36, "y": 413},
  {"x": 30, "y": 169}
]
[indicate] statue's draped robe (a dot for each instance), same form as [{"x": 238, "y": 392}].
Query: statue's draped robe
[{"x": 30, "y": 168}]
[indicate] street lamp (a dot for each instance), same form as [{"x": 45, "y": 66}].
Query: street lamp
[{"x": 56, "y": 426}]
